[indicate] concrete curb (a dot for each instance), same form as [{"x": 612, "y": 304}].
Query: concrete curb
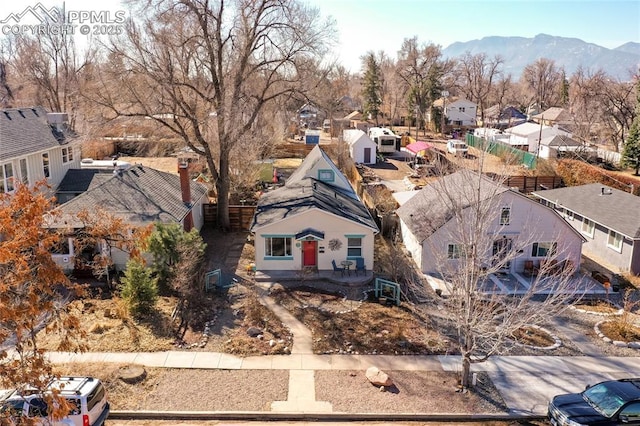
[{"x": 269, "y": 415}]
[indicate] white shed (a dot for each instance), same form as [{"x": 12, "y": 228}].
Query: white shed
[{"x": 361, "y": 148}]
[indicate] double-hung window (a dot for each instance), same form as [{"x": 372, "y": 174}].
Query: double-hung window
[
  {"x": 454, "y": 251},
  {"x": 614, "y": 241},
  {"x": 278, "y": 247},
  {"x": 588, "y": 227},
  {"x": 354, "y": 245},
  {"x": 67, "y": 155},
  {"x": 45, "y": 165},
  {"x": 6, "y": 178},
  {"x": 505, "y": 215}
]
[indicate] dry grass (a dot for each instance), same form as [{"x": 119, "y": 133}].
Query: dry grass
[
  {"x": 599, "y": 306},
  {"x": 618, "y": 330},
  {"x": 533, "y": 336},
  {"x": 372, "y": 328}
]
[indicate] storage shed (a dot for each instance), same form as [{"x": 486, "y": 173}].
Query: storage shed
[{"x": 361, "y": 148}]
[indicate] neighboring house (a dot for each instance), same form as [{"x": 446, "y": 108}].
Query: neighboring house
[
  {"x": 458, "y": 111},
  {"x": 361, "y": 148},
  {"x": 34, "y": 146},
  {"x": 432, "y": 235},
  {"x": 553, "y": 116},
  {"x": 355, "y": 120},
  {"x": 559, "y": 146},
  {"x": 509, "y": 116},
  {"x": 309, "y": 115},
  {"x": 527, "y": 136},
  {"x": 139, "y": 195},
  {"x": 607, "y": 217},
  {"x": 314, "y": 219}
]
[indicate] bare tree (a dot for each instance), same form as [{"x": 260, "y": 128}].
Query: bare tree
[
  {"x": 53, "y": 68},
  {"x": 422, "y": 70},
  {"x": 471, "y": 224},
  {"x": 206, "y": 70},
  {"x": 618, "y": 110},
  {"x": 586, "y": 101},
  {"x": 543, "y": 80},
  {"x": 476, "y": 75}
]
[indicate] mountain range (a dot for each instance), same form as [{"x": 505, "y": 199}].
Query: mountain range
[{"x": 569, "y": 53}]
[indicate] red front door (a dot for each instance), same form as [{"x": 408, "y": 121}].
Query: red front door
[{"x": 309, "y": 253}]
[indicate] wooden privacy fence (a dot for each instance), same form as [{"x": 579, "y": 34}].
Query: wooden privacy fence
[
  {"x": 529, "y": 184},
  {"x": 240, "y": 217}
]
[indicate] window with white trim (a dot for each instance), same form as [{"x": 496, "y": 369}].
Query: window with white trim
[
  {"x": 326, "y": 175},
  {"x": 67, "y": 154},
  {"x": 45, "y": 165},
  {"x": 24, "y": 172},
  {"x": 277, "y": 247},
  {"x": 614, "y": 241},
  {"x": 505, "y": 215},
  {"x": 354, "y": 246},
  {"x": 454, "y": 251},
  {"x": 588, "y": 227},
  {"x": 6, "y": 178},
  {"x": 544, "y": 249}
]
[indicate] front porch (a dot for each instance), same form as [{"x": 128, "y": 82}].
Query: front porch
[{"x": 348, "y": 279}]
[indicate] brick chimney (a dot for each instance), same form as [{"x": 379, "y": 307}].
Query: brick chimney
[{"x": 185, "y": 188}]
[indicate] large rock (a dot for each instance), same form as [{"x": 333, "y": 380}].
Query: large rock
[
  {"x": 378, "y": 378},
  {"x": 254, "y": 331}
]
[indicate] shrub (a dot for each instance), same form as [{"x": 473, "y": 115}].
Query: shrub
[{"x": 139, "y": 289}]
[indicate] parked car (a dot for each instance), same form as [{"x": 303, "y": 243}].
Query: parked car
[
  {"x": 457, "y": 147},
  {"x": 14, "y": 405},
  {"x": 612, "y": 402},
  {"x": 87, "y": 395}
]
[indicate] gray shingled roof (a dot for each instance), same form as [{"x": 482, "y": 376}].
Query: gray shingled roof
[
  {"x": 81, "y": 180},
  {"x": 617, "y": 210},
  {"x": 309, "y": 194},
  {"x": 24, "y": 131},
  {"x": 432, "y": 206},
  {"x": 317, "y": 155},
  {"x": 559, "y": 141},
  {"x": 138, "y": 195}
]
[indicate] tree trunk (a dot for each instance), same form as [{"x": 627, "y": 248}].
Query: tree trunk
[
  {"x": 223, "y": 185},
  {"x": 466, "y": 371}
]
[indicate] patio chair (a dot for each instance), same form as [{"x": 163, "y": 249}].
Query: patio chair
[
  {"x": 336, "y": 268},
  {"x": 360, "y": 265}
]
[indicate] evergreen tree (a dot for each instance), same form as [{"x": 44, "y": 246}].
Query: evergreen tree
[
  {"x": 631, "y": 150},
  {"x": 139, "y": 288},
  {"x": 372, "y": 87}
]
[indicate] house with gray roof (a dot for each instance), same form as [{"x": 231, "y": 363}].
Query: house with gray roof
[
  {"x": 608, "y": 218},
  {"x": 434, "y": 225},
  {"x": 139, "y": 195},
  {"x": 560, "y": 146},
  {"x": 314, "y": 219},
  {"x": 34, "y": 146}
]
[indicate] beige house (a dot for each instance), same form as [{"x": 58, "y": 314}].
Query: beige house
[{"x": 315, "y": 219}]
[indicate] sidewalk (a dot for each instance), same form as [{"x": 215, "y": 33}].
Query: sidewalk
[{"x": 526, "y": 383}]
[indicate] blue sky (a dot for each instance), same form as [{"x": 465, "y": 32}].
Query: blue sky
[{"x": 373, "y": 25}]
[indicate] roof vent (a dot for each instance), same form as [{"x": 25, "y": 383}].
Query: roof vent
[{"x": 605, "y": 191}]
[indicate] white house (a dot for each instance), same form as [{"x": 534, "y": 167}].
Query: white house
[
  {"x": 361, "y": 148},
  {"x": 527, "y": 136},
  {"x": 458, "y": 111},
  {"x": 34, "y": 146},
  {"x": 314, "y": 219},
  {"x": 558, "y": 146},
  {"x": 435, "y": 237}
]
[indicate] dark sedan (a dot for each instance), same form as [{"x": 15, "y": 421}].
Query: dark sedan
[{"x": 614, "y": 402}]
